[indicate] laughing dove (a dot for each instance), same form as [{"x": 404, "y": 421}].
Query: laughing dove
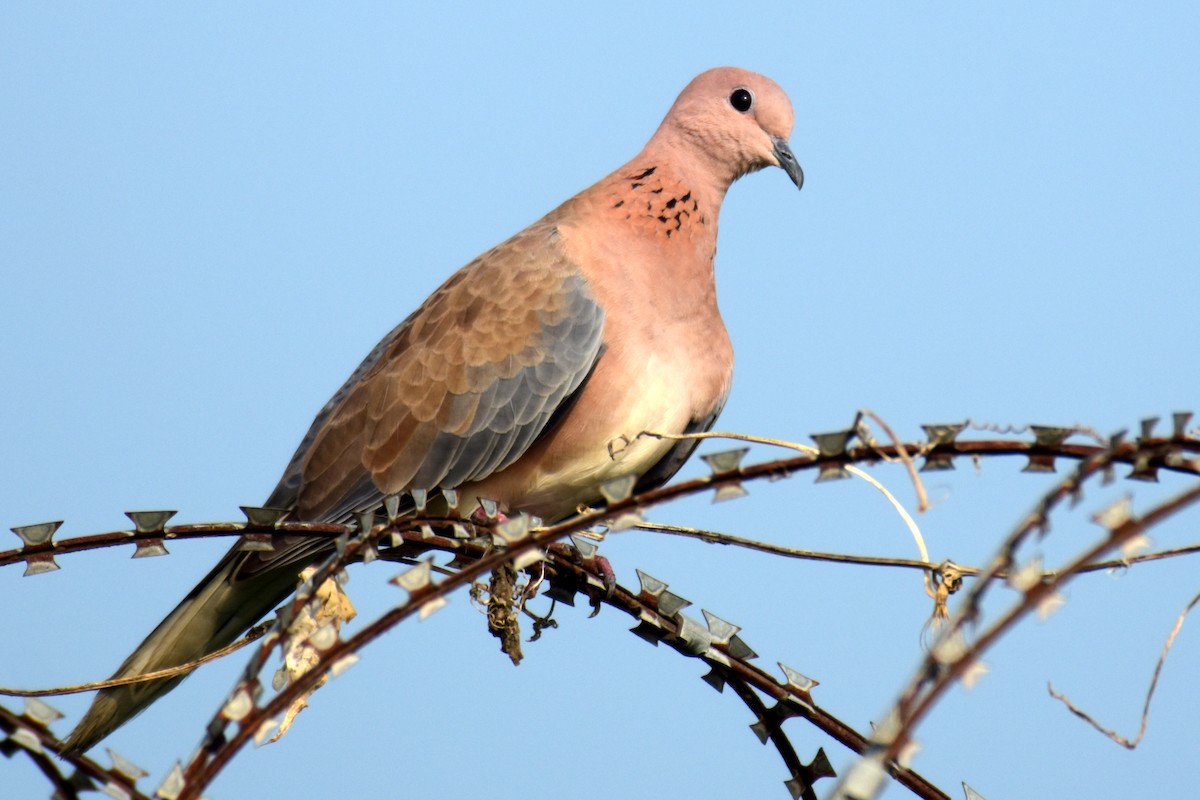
[{"x": 596, "y": 322}]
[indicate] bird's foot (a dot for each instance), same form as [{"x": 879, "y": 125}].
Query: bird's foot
[
  {"x": 485, "y": 516},
  {"x": 608, "y": 575}
]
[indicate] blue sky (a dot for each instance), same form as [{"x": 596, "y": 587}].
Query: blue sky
[{"x": 208, "y": 215}]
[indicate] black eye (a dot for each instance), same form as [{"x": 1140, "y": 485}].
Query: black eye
[{"x": 741, "y": 100}]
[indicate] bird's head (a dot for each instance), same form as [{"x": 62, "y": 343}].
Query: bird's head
[{"x": 733, "y": 121}]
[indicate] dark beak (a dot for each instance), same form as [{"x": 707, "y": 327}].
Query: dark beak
[{"x": 787, "y": 162}]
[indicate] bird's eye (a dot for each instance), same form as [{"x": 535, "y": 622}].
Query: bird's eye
[{"x": 741, "y": 100}]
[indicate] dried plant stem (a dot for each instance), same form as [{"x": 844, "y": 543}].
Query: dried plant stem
[
  {"x": 254, "y": 633},
  {"x": 1162, "y": 659},
  {"x": 917, "y": 704}
]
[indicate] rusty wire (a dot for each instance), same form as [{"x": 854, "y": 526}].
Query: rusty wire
[{"x": 409, "y": 537}]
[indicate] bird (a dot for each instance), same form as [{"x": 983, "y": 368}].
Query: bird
[{"x": 511, "y": 381}]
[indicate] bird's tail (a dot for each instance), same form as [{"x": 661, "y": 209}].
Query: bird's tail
[{"x": 221, "y": 607}]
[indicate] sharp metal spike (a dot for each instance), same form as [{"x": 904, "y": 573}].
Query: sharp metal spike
[
  {"x": 266, "y": 729},
  {"x": 149, "y": 521},
  {"x": 615, "y": 491},
  {"x": 115, "y": 791},
  {"x": 833, "y": 444},
  {"x": 256, "y": 542},
  {"x": 1045, "y": 436},
  {"x": 715, "y": 679},
  {"x": 305, "y": 588},
  {"x": 427, "y": 610},
  {"x": 391, "y": 506},
  {"x": 490, "y": 508},
  {"x": 39, "y": 564},
  {"x": 529, "y": 557},
  {"x": 40, "y": 533},
  {"x": 459, "y": 532},
  {"x": 262, "y": 517},
  {"x": 82, "y": 782},
  {"x": 943, "y": 434},
  {"x": 761, "y": 730},
  {"x": 802, "y": 780},
  {"x": 425, "y": 532},
  {"x": 867, "y": 776},
  {"x": 647, "y": 631},
  {"x": 937, "y": 462},
  {"x": 729, "y": 491},
  {"x": 1175, "y": 460},
  {"x": 149, "y": 548},
  {"x": 625, "y": 521},
  {"x": 513, "y": 529},
  {"x": 1028, "y": 575},
  {"x": 284, "y": 616},
  {"x": 365, "y": 520},
  {"x": 1039, "y": 462},
  {"x": 172, "y": 785},
  {"x": 694, "y": 637},
  {"x": 971, "y": 794},
  {"x": 831, "y": 472},
  {"x": 726, "y": 461},
  {"x": 787, "y": 708},
  {"x": 369, "y": 552},
  {"x": 797, "y": 680},
  {"x": 420, "y": 499},
  {"x": 972, "y": 675},
  {"x": 1135, "y": 546},
  {"x": 586, "y": 548},
  {"x": 1050, "y": 436},
  {"x": 1148, "y": 427},
  {"x": 26, "y": 738},
  {"x": 820, "y": 766},
  {"x": 670, "y": 603},
  {"x": 1076, "y": 496},
  {"x": 561, "y": 594},
  {"x": 415, "y": 578},
  {"x": 40, "y": 712},
  {"x": 214, "y": 734},
  {"x": 720, "y": 629},
  {"x": 451, "y": 500},
  {"x": 947, "y": 650},
  {"x": 349, "y": 660},
  {"x": 738, "y": 649},
  {"x": 237, "y": 707},
  {"x": 1114, "y": 515},
  {"x": 1179, "y": 423},
  {"x": 940, "y": 435},
  {"x": 1144, "y": 469},
  {"x": 1049, "y": 604},
  {"x": 649, "y": 584}
]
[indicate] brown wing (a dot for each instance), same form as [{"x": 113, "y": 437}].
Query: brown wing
[{"x": 457, "y": 391}]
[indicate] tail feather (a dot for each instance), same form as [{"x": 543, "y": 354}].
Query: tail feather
[{"x": 221, "y": 607}]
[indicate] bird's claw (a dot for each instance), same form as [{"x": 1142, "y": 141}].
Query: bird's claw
[
  {"x": 480, "y": 517},
  {"x": 605, "y": 570}
]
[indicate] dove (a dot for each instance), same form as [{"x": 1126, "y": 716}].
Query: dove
[{"x": 514, "y": 378}]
